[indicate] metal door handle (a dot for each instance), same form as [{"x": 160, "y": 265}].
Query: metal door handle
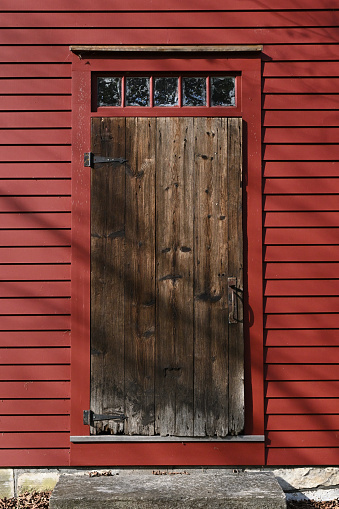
[{"x": 232, "y": 300}]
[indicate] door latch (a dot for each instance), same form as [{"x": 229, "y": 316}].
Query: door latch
[
  {"x": 232, "y": 300},
  {"x": 90, "y": 159},
  {"x": 89, "y": 417}
]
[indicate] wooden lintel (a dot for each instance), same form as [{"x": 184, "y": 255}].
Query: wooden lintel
[{"x": 221, "y": 48}]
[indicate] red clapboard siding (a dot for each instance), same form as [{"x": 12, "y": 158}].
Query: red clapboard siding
[
  {"x": 301, "y": 270},
  {"x": 300, "y": 86},
  {"x": 302, "y": 321},
  {"x": 302, "y": 456},
  {"x": 31, "y": 423},
  {"x": 35, "y": 54},
  {"x": 30, "y": 119},
  {"x": 316, "y": 219},
  {"x": 34, "y": 440},
  {"x": 287, "y": 389},
  {"x": 35, "y": 204},
  {"x": 301, "y": 102},
  {"x": 167, "y": 19},
  {"x": 35, "y": 237},
  {"x": 301, "y": 186},
  {"x": 303, "y": 236},
  {"x": 301, "y": 253},
  {"x": 294, "y": 406},
  {"x": 300, "y": 287},
  {"x": 35, "y": 102},
  {"x": 301, "y": 202},
  {"x": 35, "y": 372},
  {"x": 34, "y": 356},
  {"x": 35, "y": 220},
  {"x": 277, "y": 118},
  {"x": 302, "y": 422},
  {"x": 35, "y": 289},
  {"x": 301, "y": 169},
  {"x": 35, "y": 255},
  {"x": 34, "y": 457},
  {"x": 36, "y": 136},
  {"x": 34, "y": 338},
  {"x": 35, "y": 272},
  {"x": 300, "y": 69},
  {"x": 301, "y": 52},
  {"x": 301, "y": 134},
  {"x": 148, "y": 5},
  {"x": 301, "y": 152},
  {"x": 303, "y": 439},
  {"x": 315, "y": 337},
  {"x": 34, "y": 70},
  {"x": 34, "y": 390},
  {"x": 34, "y": 406},
  {"x": 313, "y": 372},
  {"x": 48, "y": 306},
  {"x": 288, "y": 355},
  {"x": 12, "y": 170},
  {"x": 301, "y": 304},
  {"x": 173, "y": 35},
  {"x": 35, "y": 86},
  {"x": 35, "y": 187},
  {"x": 35, "y": 153},
  {"x": 50, "y": 322}
]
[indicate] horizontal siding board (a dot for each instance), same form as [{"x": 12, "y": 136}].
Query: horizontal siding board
[
  {"x": 26, "y": 170},
  {"x": 285, "y": 152},
  {"x": 25, "y": 187},
  {"x": 35, "y": 406},
  {"x": 315, "y": 337},
  {"x": 302, "y": 456},
  {"x": 303, "y": 439},
  {"x": 301, "y": 253},
  {"x": 300, "y": 287},
  {"x": 302, "y": 422},
  {"x": 301, "y": 236},
  {"x": 289, "y": 355},
  {"x": 41, "y": 53},
  {"x": 301, "y": 102},
  {"x": 308, "y": 389},
  {"x": 31, "y": 423},
  {"x": 35, "y": 255},
  {"x": 37, "y": 204},
  {"x": 34, "y": 457},
  {"x": 293, "y": 406},
  {"x": 300, "y": 118},
  {"x": 135, "y": 36},
  {"x": 301, "y": 169},
  {"x": 12, "y": 289},
  {"x": 35, "y": 372},
  {"x": 301, "y": 52},
  {"x": 301, "y": 304},
  {"x": 304, "y": 270},
  {"x": 34, "y": 69},
  {"x": 35, "y": 102},
  {"x": 31, "y": 119},
  {"x": 301, "y": 202},
  {"x": 313, "y": 372},
  {"x": 35, "y": 86},
  {"x": 35, "y": 220},
  {"x": 301, "y": 69},
  {"x": 35, "y": 153},
  {"x": 38, "y": 272},
  {"x": 300, "y": 86},
  {"x": 36, "y": 136},
  {"x": 34, "y": 339},
  {"x": 302, "y": 321},
  {"x": 33, "y": 390},
  {"x": 297, "y": 219},
  {"x": 33, "y": 306},
  {"x": 34, "y": 440},
  {"x": 301, "y": 186},
  {"x": 34, "y": 356},
  {"x": 35, "y": 322},
  {"x": 205, "y": 18}
]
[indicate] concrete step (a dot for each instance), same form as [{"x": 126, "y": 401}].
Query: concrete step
[{"x": 194, "y": 488}]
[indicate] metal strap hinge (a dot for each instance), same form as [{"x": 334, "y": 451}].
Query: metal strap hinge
[
  {"x": 90, "y": 417},
  {"x": 90, "y": 159}
]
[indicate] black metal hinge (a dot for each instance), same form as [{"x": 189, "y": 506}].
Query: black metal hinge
[
  {"x": 90, "y": 417},
  {"x": 90, "y": 159}
]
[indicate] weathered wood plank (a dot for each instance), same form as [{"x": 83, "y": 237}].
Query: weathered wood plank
[
  {"x": 174, "y": 233},
  {"x": 140, "y": 275},
  {"x": 107, "y": 272}
]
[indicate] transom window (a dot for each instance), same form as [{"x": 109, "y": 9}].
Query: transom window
[{"x": 166, "y": 91}]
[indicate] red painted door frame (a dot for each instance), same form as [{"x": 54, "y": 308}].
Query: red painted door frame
[{"x": 168, "y": 453}]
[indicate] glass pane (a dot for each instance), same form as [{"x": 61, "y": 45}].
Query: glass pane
[
  {"x": 223, "y": 91},
  {"x": 165, "y": 91},
  {"x": 137, "y": 91},
  {"x": 194, "y": 91},
  {"x": 109, "y": 91}
]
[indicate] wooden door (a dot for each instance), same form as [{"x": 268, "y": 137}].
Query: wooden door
[{"x": 166, "y": 236}]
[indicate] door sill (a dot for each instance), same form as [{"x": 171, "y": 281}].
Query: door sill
[{"x": 139, "y": 438}]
